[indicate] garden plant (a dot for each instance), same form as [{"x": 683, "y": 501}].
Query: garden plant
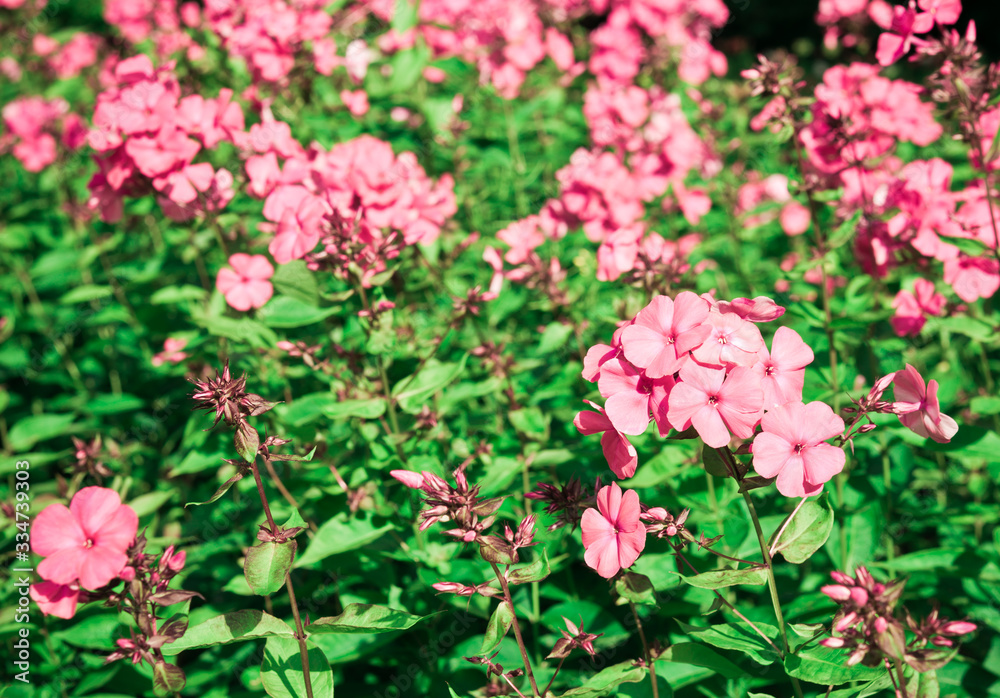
[{"x": 475, "y": 348}]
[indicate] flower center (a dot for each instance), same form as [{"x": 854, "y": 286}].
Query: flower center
[
  {"x": 799, "y": 448},
  {"x": 769, "y": 370},
  {"x": 89, "y": 543},
  {"x": 713, "y": 399}
]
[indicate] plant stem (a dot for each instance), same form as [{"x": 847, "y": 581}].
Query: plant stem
[
  {"x": 517, "y": 628},
  {"x": 263, "y": 496},
  {"x": 645, "y": 650},
  {"x": 558, "y": 668},
  {"x": 299, "y": 632},
  {"x": 771, "y": 583},
  {"x": 300, "y": 635},
  {"x": 901, "y": 690}
]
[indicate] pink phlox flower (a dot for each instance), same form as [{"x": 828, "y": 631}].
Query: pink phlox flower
[
  {"x": 911, "y": 308},
  {"x": 597, "y": 356},
  {"x": 612, "y": 534},
  {"x": 523, "y": 237},
  {"x": 759, "y": 309},
  {"x": 944, "y": 12},
  {"x": 782, "y": 370},
  {"x": 246, "y": 285},
  {"x": 172, "y": 352},
  {"x": 716, "y": 404},
  {"x": 620, "y": 454},
  {"x": 918, "y": 408},
  {"x": 665, "y": 331},
  {"x": 972, "y": 278},
  {"x": 905, "y": 23},
  {"x": 732, "y": 341},
  {"x": 57, "y": 600},
  {"x": 87, "y": 541},
  {"x": 631, "y": 395},
  {"x": 792, "y": 447},
  {"x": 356, "y": 101}
]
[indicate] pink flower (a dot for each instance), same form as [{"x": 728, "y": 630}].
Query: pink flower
[
  {"x": 782, "y": 371},
  {"x": 86, "y": 541},
  {"x": 171, "y": 352},
  {"x": 795, "y": 218},
  {"x": 715, "y": 403},
  {"x": 612, "y": 534},
  {"x": 903, "y": 25},
  {"x": 731, "y": 341},
  {"x": 972, "y": 277},
  {"x": 57, "y": 600},
  {"x": 631, "y": 395},
  {"x": 246, "y": 285},
  {"x": 918, "y": 408},
  {"x": 759, "y": 309},
  {"x": 791, "y": 447},
  {"x": 356, "y": 102},
  {"x": 944, "y": 12},
  {"x": 665, "y": 331},
  {"x": 910, "y": 308},
  {"x": 620, "y": 454}
]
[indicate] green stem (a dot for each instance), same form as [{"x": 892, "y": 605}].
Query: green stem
[
  {"x": 645, "y": 650},
  {"x": 517, "y": 628},
  {"x": 730, "y": 461},
  {"x": 300, "y": 633}
]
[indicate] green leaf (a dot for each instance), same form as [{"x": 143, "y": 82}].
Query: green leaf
[
  {"x": 148, "y": 503},
  {"x": 635, "y": 588},
  {"x": 173, "y": 295},
  {"x": 927, "y": 685},
  {"x": 531, "y": 422},
  {"x": 247, "y": 441},
  {"x": 533, "y": 572},
  {"x": 366, "y": 409},
  {"x": 223, "y": 488},
  {"x": 288, "y": 311},
  {"x": 230, "y": 627},
  {"x": 30, "y": 430},
  {"x": 699, "y": 655},
  {"x": 114, "y": 404},
  {"x": 85, "y": 294},
  {"x": 305, "y": 409},
  {"x": 872, "y": 688},
  {"x": 360, "y": 618},
  {"x": 603, "y": 682},
  {"x": 714, "y": 465},
  {"x": 807, "y": 530},
  {"x": 717, "y": 579},
  {"x": 281, "y": 671},
  {"x": 294, "y": 280},
  {"x": 338, "y": 535},
  {"x": 413, "y": 392},
  {"x": 168, "y": 679},
  {"x": 92, "y": 633},
  {"x": 739, "y": 636},
  {"x": 554, "y": 337},
  {"x": 827, "y": 667},
  {"x": 267, "y": 566},
  {"x": 497, "y": 628}
]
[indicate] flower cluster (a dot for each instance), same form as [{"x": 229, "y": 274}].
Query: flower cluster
[
  {"x": 359, "y": 199},
  {"x": 146, "y": 138},
  {"x": 868, "y": 625},
  {"x": 228, "y": 398},
  {"x": 33, "y": 124}
]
